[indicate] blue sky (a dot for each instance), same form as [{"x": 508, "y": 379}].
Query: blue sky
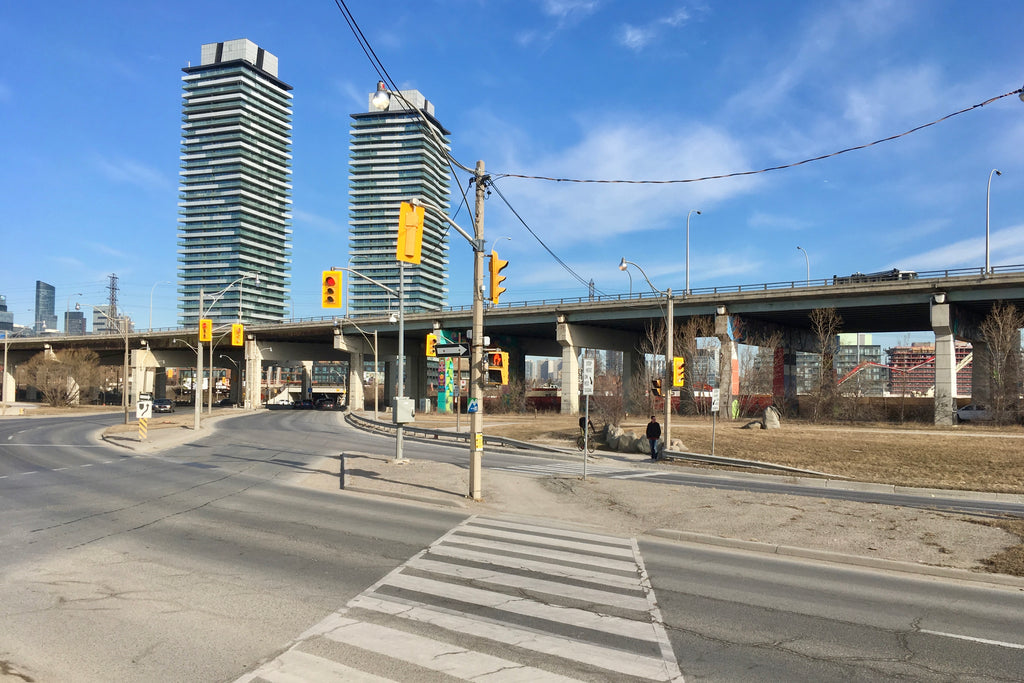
[{"x": 90, "y": 95}]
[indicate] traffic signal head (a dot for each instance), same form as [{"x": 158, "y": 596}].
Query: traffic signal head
[
  {"x": 237, "y": 334},
  {"x": 497, "y": 265},
  {"x": 656, "y": 387},
  {"x": 205, "y": 330},
  {"x": 431, "y": 345},
  {"x": 330, "y": 289},
  {"x": 678, "y": 371},
  {"x": 410, "y": 233}
]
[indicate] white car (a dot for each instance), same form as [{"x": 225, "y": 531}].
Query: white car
[{"x": 973, "y": 412}]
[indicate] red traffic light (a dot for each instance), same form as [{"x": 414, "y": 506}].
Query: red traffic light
[{"x": 330, "y": 281}]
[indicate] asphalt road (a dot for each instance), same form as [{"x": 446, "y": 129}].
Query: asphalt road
[{"x": 207, "y": 563}]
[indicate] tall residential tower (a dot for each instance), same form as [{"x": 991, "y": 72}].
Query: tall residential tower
[
  {"x": 235, "y": 192},
  {"x": 394, "y": 157}
]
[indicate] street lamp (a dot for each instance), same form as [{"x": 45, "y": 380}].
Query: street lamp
[
  {"x": 807, "y": 262},
  {"x": 692, "y": 211},
  {"x": 3, "y": 376},
  {"x": 162, "y": 282},
  {"x": 67, "y": 311},
  {"x": 667, "y": 380},
  {"x": 122, "y": 327},
  {"x": 988, "y": 195},
  {"x": 197, "y": 392},
  {"x": 376, "y": 365}
]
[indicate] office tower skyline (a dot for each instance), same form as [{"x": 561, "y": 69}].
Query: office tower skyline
[
  {"x": 235, "y": 191},
  {"x": 394, "y": 157},
  {"x": 46, "y": 318},
  {"x": 6, "y": 317}
]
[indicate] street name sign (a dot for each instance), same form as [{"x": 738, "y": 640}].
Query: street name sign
[{"x": 450, "y": 350}]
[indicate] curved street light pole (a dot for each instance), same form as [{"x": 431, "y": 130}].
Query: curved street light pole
[
  {"x": 692, "y": 211},
  {"x": 666, "y": 382},
  {"x": 988, "y": 195},
  {"x": 807, "y": 261}
]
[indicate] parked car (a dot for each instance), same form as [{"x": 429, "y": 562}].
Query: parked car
[
  {"x": 163, "y": 405},
  {"x": 973, "y": 412},
  {"x": 304, "y": 404},
  {"x": 226, "y": 403}
]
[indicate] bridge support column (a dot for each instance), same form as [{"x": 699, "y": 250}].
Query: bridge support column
[
  {"x": 356, "y": 380},
  {"x": 945, "y": 360},
  {"x": 416, "y": 370},
  {"x": 728, "y": 363},
  {"x": 253, "y": 375},
  {"x": 8, "y": 384},
  {"x": 307, "y": 379},
  {"x": 570, "y": 369},
  {"x": 981, "y": 374}
]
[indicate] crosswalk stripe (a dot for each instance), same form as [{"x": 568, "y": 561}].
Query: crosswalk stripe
[
  {"x": 533, "y": 565},
  {"x": 630, "y": 628},
  {"x": 620, "y": 661},
  {"x": 548, "y": 553},
  {"x": 434, "y": 655},
  {"x": 532, "y": 540},
  {"x": 527, "y": 583},
  {"x": 295, "y": 666},
  {"x": 572, "y": 534}
]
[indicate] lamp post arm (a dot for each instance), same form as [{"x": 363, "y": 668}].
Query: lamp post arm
[
  {"x": 368, "y": 279},
  {"x": 649, "y": 283},
  {"x": 477, "y": 244}
]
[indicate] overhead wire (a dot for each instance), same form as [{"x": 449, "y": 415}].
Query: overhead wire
[{"x": 794, "y": 164}]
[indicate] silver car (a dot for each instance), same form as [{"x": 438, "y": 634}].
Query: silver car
[
  {"x": 163, "y": 405},
  {"x": 973, "y": 412}
]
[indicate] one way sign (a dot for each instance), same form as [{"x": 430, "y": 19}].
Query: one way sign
[{"x": 449, "y": 350}]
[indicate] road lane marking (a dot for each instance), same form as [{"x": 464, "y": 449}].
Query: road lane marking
[{"x": 985, "y": 641}]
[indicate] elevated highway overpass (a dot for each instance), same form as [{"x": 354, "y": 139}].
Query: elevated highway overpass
[{"x": 948, "y": 303}]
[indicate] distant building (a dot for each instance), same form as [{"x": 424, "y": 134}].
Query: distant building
[
  {"x": 46, "y": 319},
  {"x": 6, "y": 317},
  {"x": 395, "y": 157},
  {"x": 235, "y": 191},
  {"x": 913, "y": 369},
  {"x": 103, "y": 323},
  {"x": 74, "y": 322},
  {"x": 858, "y": 367}
]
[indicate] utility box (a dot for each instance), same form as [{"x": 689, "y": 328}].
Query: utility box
[{"x": 403, "y": 410}]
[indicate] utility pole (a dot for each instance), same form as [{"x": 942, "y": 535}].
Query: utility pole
[{"x": 476, "y": 375}]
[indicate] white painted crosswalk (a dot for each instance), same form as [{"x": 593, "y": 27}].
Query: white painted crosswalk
[{"x": 494, "y": 600}]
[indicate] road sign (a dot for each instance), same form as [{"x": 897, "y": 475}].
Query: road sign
[
  {"x": 588, "y": 376},
  {"x": 715, "y": 395},
  {"x": 450, "y": 350},
  {"x": 473, "y": 407},
  {"x": 143, "y": 410}
]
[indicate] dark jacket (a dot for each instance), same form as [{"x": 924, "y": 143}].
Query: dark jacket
[{"x": 653, "y": 430}]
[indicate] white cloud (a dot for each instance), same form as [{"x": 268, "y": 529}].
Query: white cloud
[
  {"x": 638, "y": 37},
  {"x": 760, "y": 219},
  {"x": 565, "y": 9},
  {"x": 133, "y": 173},
  {"x": 1006, "y": 247},
  {"x": 562, "y": 211}
]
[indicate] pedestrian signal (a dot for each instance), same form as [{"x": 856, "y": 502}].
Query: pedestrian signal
[
  {"x": 330, "y": 289},
  {"x": 205, "y": 330},
  {"x": 497, "y": 367}
]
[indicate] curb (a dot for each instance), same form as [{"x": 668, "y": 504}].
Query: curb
[
  {"x": 405, "y": 496},
  {"x": 838, "y": 558}
]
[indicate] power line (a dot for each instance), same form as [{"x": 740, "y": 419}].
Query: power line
[{"x": 736, "y": 174}]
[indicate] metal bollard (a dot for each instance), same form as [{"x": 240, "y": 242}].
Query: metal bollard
[{"x": 341, "y": 474}]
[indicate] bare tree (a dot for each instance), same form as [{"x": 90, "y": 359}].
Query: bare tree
[
  {"x": 64, "y": 377},
  {"x": 641, "y": 392},
  {"x": 757, "y": 370},
  {"x": 825, "y": 325},
  {"x": 1000, "y": 331},
  {"x": 699, "y": 368}
]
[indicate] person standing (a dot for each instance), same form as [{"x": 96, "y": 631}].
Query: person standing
[{"x": 653, "y": 434}]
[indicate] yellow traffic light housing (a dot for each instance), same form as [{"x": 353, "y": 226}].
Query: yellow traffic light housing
[
  {"x": 431, "y": 346},
  {"x": 496, "y": 266},
  {"x": 410, "y": 233},
  {"x": 237, "y": 334},
  {"x": 656, "y": 387},
  {"x": 330, "y": 289},
  {"x": 678, "y": 371},
  {"x": 497, "y": 367},
  {"x": 205, "y": 330}
]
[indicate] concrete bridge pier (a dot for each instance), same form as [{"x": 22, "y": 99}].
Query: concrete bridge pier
[
  {"x": 728, "y": 362},
  {"x": 253, "y": 364},
  {"x": 945, "y": 360},
  {"x": 573, "y": 339}
]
